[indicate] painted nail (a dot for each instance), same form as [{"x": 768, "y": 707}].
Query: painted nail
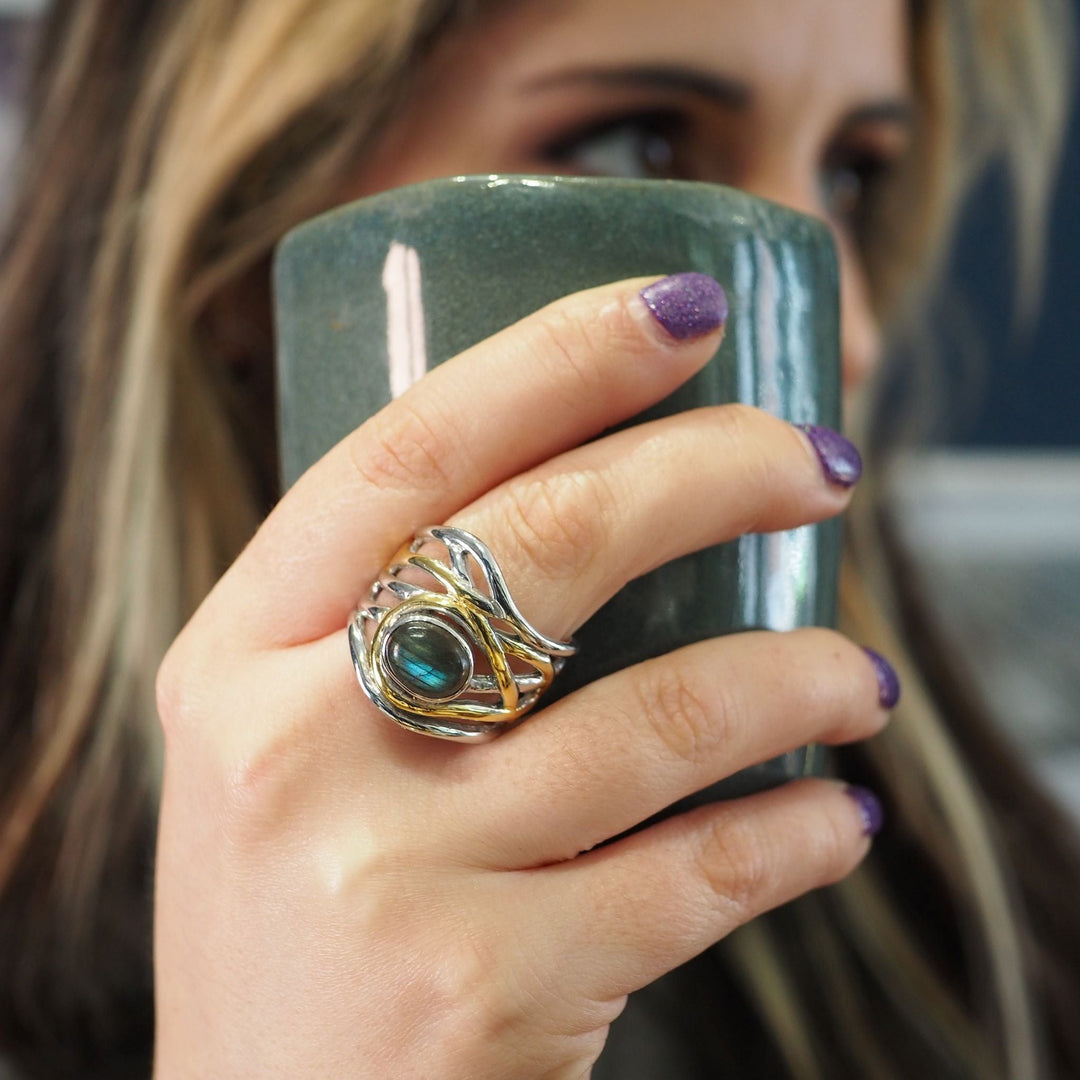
[
  {"x": 888, "y": 681},
  {"x": 873, "y": 816},
  {"x": 839, "y": 458},
  {"x": 687, "y": 305}
]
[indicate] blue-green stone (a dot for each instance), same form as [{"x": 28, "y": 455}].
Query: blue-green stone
[{"x": 428, "y": 660}]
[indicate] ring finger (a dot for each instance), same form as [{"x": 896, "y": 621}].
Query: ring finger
[{"x": 623, "y": 748}]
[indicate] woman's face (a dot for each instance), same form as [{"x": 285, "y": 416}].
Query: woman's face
[{"x": 806, "y": 102}]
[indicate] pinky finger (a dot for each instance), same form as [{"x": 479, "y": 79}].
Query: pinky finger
[{"x": 632, "y": 911}]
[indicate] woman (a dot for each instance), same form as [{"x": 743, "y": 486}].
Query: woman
[{"x": 329, "y": 900}]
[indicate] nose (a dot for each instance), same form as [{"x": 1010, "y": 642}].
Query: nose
[{"x": 860, "y": 332}]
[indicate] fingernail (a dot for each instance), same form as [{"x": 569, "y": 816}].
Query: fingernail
[
  {"x": 839, "y": 458},
  {"x": 687, "y": 305},
  {"x": 873, "y": 816},
  {"x": 888, "y": 681}
]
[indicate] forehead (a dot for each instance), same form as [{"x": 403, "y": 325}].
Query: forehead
[{"x": 856, "y": 45}]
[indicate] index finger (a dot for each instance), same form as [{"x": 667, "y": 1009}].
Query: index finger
[{"x": 531, "y": 391}]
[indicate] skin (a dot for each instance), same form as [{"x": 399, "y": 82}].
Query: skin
[
  {"x": 339, "y": 897},
  {"x": 821, "y": 103}
]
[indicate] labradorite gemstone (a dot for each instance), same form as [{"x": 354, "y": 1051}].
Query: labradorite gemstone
[{"x": 428, "y": 660}]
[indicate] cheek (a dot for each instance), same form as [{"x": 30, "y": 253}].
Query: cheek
[{"x": 860, "y": 332}]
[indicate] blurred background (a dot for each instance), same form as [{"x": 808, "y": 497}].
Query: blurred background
[{"x": 990, "y": 505}]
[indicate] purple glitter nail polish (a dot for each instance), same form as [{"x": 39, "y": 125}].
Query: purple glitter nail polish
[
  {"x": 887, "y": 679},
  {"x": 687, "y": 305},
  {"x": 839, "y": 458},
  {"x": 873, "y": 816}
]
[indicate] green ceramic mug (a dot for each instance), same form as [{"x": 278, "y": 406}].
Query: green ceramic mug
[{"x": 371, "y": 295}]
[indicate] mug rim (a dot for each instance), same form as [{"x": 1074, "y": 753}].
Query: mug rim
[{"x": 552, "y": 182}]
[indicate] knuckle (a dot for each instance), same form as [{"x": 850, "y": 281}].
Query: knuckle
[
  {"x": 556, "y": 521},
  {"x": 173, "y": 692},
  {"x": 845, "y": 689},
  {"x": 248, "y": 777},
  {"x": 565, "y": 347},
  {"x": 513, "y": 988},
  {"x": 740, "y": 429},
  {"x": 736, "y": 865},
  {"x": 740, "y": 424},
  {"x": 834, "y": 853},
  {"x": 403, "y": 449},
  {"x": 477, "y": 973},
  {"x": 681, "y": 722},
  {"x": 577, "y": 332},
  {"x": 624, "y": 333},
  {"x": 257, "y": 787}
]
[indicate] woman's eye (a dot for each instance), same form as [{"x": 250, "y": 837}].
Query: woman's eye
[
  {"x": 641, "y": 146},
  {"x": 849, "y": 185}
]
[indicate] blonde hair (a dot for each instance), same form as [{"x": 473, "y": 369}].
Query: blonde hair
[{"x": 221, "y": 133}]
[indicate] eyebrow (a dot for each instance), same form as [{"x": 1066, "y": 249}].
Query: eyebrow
[{"x": 718, "y": 89}]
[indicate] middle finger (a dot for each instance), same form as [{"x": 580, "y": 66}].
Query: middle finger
[{"x": 572, "y": 532}]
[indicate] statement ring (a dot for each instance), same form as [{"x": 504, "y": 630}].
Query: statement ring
[{"x": 441, "y": 647}]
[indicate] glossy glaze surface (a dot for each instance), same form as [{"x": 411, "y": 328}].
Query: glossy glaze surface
[{"x": 373, "y": 294}]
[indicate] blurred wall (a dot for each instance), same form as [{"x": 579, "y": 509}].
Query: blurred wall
[{"x": 1019, "y": 386}]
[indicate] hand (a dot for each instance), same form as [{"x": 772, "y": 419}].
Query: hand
[{"x": 338, "y": 897}]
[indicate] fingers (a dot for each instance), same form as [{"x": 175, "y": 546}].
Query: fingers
[
  {"x": 625, "y": 747},
  {"x": 524, "y": 395},
  {"x": 571, "y": 532},
  {"x": 626, "y": 914}
]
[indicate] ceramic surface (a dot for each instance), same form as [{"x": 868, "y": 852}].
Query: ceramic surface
[{"x": 373, "y": 294}]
